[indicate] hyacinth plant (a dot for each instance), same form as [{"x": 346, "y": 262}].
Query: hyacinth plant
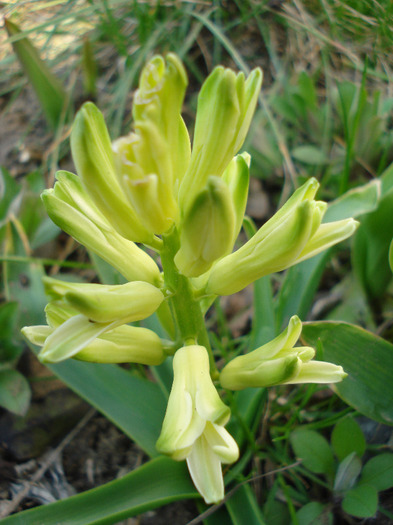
[{"x": 186, "y": 205}]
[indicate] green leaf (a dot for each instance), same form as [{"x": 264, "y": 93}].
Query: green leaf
[
  {"x": 276, "y": 512},
  {"x": 106, "y": 272},
  {"x": 347, "y": 437},
  {"x": 347, "y": 472},
  {"x": 246, "y": 413},
  {"x": 301, "y": 281},
  {"x": 371, "y": 248},
  {"x": 309, "y": 154},
  {"x": 25, "y": 286},
  {"x": 378, "y": 472},
  {"x": 391, "y": 256},
  {"x": 366, "y": 358},
  {"x": 314, "y": 513},
  {"x": 355, "y": 202},
  {"x": 354, "y": 306},
  {"x": 48, "y": 89},
  {"x": 307, "y": 90},
  {"x": 263, "y": 319},
  {"x": 243, "y": 507},
  {"x": 9, "y": 191},
  {"x": 157, "y": 483},
  {"x": 9, "y": 348},
  {"x": 15, "y": 392},
  {"x": 313, "y": 450},
  {"x": 362, "y": 501},
  {"x": 135, "y": 405}
]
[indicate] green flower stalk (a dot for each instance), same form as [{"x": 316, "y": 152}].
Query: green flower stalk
[{"x": 187, "y": 205}]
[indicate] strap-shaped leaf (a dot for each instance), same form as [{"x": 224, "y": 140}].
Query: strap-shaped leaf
[
  {"x": 135, "y": 405},
  {"x": 157, "y": 483},
  {"x": 365, "y": 357}
]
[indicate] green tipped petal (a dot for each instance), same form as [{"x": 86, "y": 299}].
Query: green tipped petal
[
  {"x": 71, "y": 208},
  {"x": 193, "y": 401},
  {"x": 37, "y": 334},
  {"x": 237, "y": 177},
  {"x": 57, "y": 312},
  {"x": 92, "y": 154},
  {"x": 125, "y": 344},
  {"x": 318, "y": 372},
  {"x": 103, "y": 304},
  {"x": 70, "y": 338},
  {"x": 306, "y": 192},
  {"x": 278, "y": 346},
  {"x": 207, "y": 230},
  {"x": 226, "y": 104},
  {"x": 328, "y": 235},
  {"x": 215, "y": 446}
]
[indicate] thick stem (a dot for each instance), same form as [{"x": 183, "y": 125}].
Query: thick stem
[{"x": 188, "y": 315}]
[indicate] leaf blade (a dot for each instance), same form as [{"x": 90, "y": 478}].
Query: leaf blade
[
  {"x": 156, "y": 483},
  {"x": 368, "y": 361}
]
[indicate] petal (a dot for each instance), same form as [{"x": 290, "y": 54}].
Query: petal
[
  {"x": 318, "y": 372},
  {"x": 234, "y": 376},
  {"x": 205, "y": 470},
  {"x": 125, "y": 344},
  {"x": 222, "y": 443},
  {"x": 181, "y": 427},
  {"x": 129, "y": 302},
  {"x": 37, "y": 334},
  {"x": 71, "y": 337},
  {"x": 326, "y": 236}
]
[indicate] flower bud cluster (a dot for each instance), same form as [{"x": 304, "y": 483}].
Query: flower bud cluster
[{"x": 187, "y": 204}]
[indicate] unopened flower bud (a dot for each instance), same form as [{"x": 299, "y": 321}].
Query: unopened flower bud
[
  {"x": 159, "y": 99},
  {"x": 70, "y": 207},
  {"x": 292, "y": 235},
  {"x": 92, "y": 154},
  {"x": 226, "y": 104},
  {"x": 237, "y": 177},
  {"x": 279, "y": 362},
  {"x": 207, "y": 231},
  {"x": 106, "y": 303},
  {"x": 125, "y": 344}
]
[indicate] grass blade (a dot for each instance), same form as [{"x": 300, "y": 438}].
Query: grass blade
[{"x": 51, "y": 94}]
